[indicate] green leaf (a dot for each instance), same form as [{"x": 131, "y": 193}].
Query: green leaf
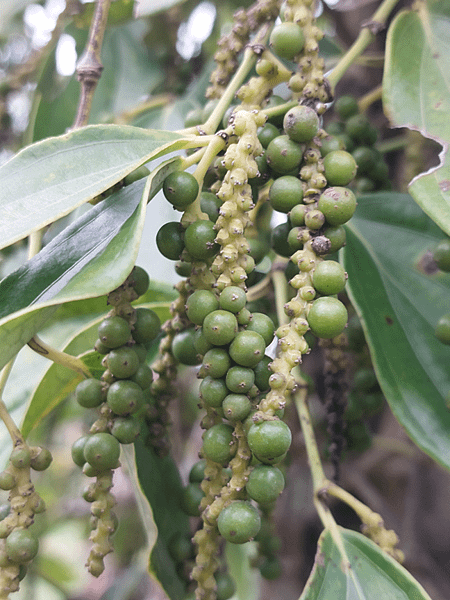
[
  {"x": 369, "y": 574},
  {"x": 159, "y": 488},
  {"x": 388, "y": 244},
  {"x": 241, "y": 559},
  {"x": 416, "y": 94},
  {"x": 91, "y": 257},
  {"x": 50, "y": 178}
]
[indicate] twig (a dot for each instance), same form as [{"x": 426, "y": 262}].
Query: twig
[
  {"x": 89, "y": 67},
  {"x": 12, "y": 428},
  {"x": 61, "y": 358},
  {"x": 365, "y": 37}
]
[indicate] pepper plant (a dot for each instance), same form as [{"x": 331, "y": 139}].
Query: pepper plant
[{"x": 311, "y": 284}]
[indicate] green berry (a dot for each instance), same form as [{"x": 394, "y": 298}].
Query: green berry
[
  {"x": 170, "y": 240},
  {"x": 124, "y": 397},
  {"x": 267, "y": 133},
  {"x": 240, "y": 380},
  {"x": 271, "y": 568},
  {"x": 21, "y": 546},
  {"x": 183, "y": 269},
  {"x": 239, "y": 522},
  {"x": 201, "y": 344},
  {"x": 337, "y": 237},
  {"x": 366, "y": 159},
  {"x": 346, "y": 106},
  {"x": 262, "y": 324},
  {"x": 101, "y": 348},
  {"x": 301, "y": 123},
  {"x": 210, "y": 204},
  {"x": 199, "y": 239},
  {"x": 338, "y": 204},
  {"x": 146, "y": 327},
  {"x": 190, "y": 499},
  {"x": 360, "y": 130},
  {"x": 141, "y": 280},
  {"x": 220, "y": 327},
  {"x": 89, "y": 393},
  {"x": 78, "y": 450},
  {"x": 199, "y": 304},
  {"x": 279, "y": 239},
  {"x": 180, "y": 189},
  {"x": 213, "y": 391},
  {"x": 114, "y": 332},
  {"x": 102, "y": 451},
  {"x": 263, "y": 373},
  {"x": 314, "y": 219},
  {"x": 125, "y": 429},
  {"x": 284, "y": 155},
  {"x": 123, "y": 362},
  {"x": 340, "y": 167},
  {"x": 219, "y": 444},
  {"x": 7, "y": 480},
  {"x": 269, "y": 439},
  {"x": 297, "y": 215},
  {"x": 20, "y": 457},
  {"x": 327, "y": 317},
  {"x": 41, "y": 459},
  {"x": 180, "y": 548},
  {"x": 331, "y": 144},
  {"x": 236, "y": 407},
  {"x": 258, "y": 248},
  {"x": 197, "y": 472},
  {"x": 441, "y": 255},
  {"x": 143, "y": 376},
  {"x": 265, "y": 484},
  {"x": 329, "y": 277},
  {"x": 183, "y": 347},
  {"x": 285, "y": 193},
  {"x": 216, "y": 362},
  {"x": 287, "y": 40},
  {"x": 225, "y": 586},
  {"x": 442, "y": 330},
  {"x": 233, "y": 299},
  {"x": 247, "y": 348}
]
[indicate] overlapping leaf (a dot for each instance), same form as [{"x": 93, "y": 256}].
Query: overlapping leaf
[
  {"x": 49, "y": 179},
  {"x": 89, "y": 258},
  {"x": 363, "y": 573},
  {"x": 416, "y": 94},
  {"x": 399, "y": 304}
]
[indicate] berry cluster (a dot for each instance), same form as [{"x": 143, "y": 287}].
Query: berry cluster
[
  {"x": 354, "y": 133},
  {"x": 18, "y": 544},
  {"x": 122, "y": 393}
]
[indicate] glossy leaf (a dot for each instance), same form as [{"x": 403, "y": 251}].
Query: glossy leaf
[
  {"x": 364, "y": 573},
  {"x": 49, "y": 179},
  {"x": 144, "y": 8},
  {"x": 416, "y": 94},
  {"x": 387, "y": 259},
  {"x": 89, "y": 258}
]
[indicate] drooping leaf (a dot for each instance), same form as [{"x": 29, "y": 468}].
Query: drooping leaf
[
  {"x": 89, "y": 258},
  {"x": 400, "y": 304},
  {"x": 49, "y": 179},
  {"x": 159, "y": 487},
  {"x": 370, "y": 574},
  {"x": 416, "y": 94}
]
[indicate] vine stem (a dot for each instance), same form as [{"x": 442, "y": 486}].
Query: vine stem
[
  {"x": 12, "y": 428},
  {"x": 280, "y": 286},
  {"x": 320, "y": 481},
  {"x": 368, "y": 99},
  {"x": 61, "y": 358},
  {"x": 365, "y": 37},
  {"x": 89, "y": 67}
]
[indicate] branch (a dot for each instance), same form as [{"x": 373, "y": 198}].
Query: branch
[
  {"x": 61, "y": 358},
  {"x": 89, "y": 67}
]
